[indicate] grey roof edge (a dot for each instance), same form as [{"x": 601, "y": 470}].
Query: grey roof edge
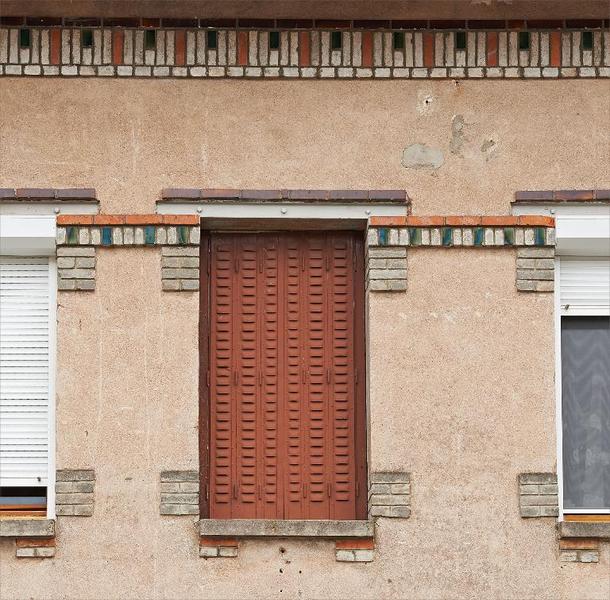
[
  {"x": 284, "y": 195},
  {"x": 48, "y": 195},
  {"x": 292, "y": 528}
]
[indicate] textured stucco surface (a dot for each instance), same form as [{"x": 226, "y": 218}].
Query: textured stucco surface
[
  {"x": 129, "y": 139},
  {"x": 461, "y": 365},
  {"x": 461, "y": 396}
]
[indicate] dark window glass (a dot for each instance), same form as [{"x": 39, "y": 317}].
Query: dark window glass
[
  {"x": 585, "y": 368},
  {"x": 587, "y": 40},
  {"x": 336, "y": 40},
  {"x": 150, "y": 39},
  {"x": 399, "y": 40},
  {"x": 87, "y": 38},
  {"x": 460, "y": 40},
  {"x": 24, "y": 38},
  {"x": 524, "y": 40},
  {"x": 274, "y": 40},
  {"x": 212, "y": 40}
]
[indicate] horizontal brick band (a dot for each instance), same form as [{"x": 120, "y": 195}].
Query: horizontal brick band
[
  {"x": 562, "y": 196},
  {"x": 128, "y": 235},
  {"x": 321, "y": 51},
  {"x": 343, "y": 196},
  {"x": 128, "y": 219},
  {"x": 538, "y": 495},
  {"x": 179, "y": 493},
  {"x": 475, "y": 237},
  {"x": 48, "y": 194},
  {"x": 463, "y": 221}
]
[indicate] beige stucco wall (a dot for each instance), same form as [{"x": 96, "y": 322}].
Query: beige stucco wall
[
  {"x": 461, "y": 396},
  {"x": 461, "y": 365},
  {"x": 129, "y": 139}
]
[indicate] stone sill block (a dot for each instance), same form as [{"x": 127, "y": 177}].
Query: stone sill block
[
  {"x": 27, "y": 527},
  {"x": 271, "y": 528},
  {"x": 584, "y": 529}
]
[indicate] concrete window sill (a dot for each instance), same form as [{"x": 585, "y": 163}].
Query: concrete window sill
[
  {"x": 27, "y": 527},
  {"x": 584, "y": 529},
  {"x": 271, "y": 528}
]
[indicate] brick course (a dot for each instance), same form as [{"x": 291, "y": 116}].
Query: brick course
[
  {"x": 180, "y": 268},
  {"x": 75, "y": 492},
  {"x": 390, "y": 495},
  {"x": 538, "y": 495},
  {"x": 366, "y": 51},
  {"x": 76, "y": 268},
  {"x": 179, "y": 493},
  {"x": 535, "y": 269},
  {"x": 34, "y": 548}
]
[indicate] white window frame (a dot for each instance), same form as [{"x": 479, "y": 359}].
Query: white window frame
[
  {"x": 559, "y": 312},
  {"x": 34, "y": 235}
]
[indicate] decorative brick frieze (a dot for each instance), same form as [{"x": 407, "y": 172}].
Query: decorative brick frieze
[
  {"x": 180, "y": 268},
  {"x": 535, "y": 269},
  {"x": 390, "y": 494},
  {"x": 462, "y": 231},
  {"x": 76, "y": 268},
  {"x": 179, "y": 493},
  {"x": 128, "y": 230},
  {"x": 538, "y": 495},
  {"x": 35, "y": 548},
  {"x": 322, "y": 50},
  {"x": 386, "y": 269},
  {"x": 215, "y": 547},
  {"x": 355, "y": 550},
  {"x": 74, "y": 492}
]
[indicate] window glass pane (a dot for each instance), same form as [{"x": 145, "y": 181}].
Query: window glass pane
[{"x": 585, "y": 357}]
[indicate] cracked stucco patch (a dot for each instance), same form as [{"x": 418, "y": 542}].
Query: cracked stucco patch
[
  {"x": 420, "y": 156},
  {"x": 457, "y": 135}
]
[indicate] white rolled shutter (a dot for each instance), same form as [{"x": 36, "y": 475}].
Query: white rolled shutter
[
  {"x": 24, "y": 370},
  {"x": 584, "y": 286}
]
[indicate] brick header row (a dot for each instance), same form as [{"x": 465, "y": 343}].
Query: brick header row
[
  {"x": 136, "y": 219},
  {"x": 311, "y": 53}
]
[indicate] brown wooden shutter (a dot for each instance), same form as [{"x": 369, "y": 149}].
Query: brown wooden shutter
[{"x": 286, "y": 394}]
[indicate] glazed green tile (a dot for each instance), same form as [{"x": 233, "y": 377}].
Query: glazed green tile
[
  {"x": 539, "y": 236},
  {"x": 415, "y": 236},
  {"x": 447, "y": 234},
  {"x": 383, "y": 236},
  {"x": 106, "y": 236},
  {"x": 149, "y": 235},
  {"x": 479, "y": 236},
  {"x": 183, "y": 235},
  {"x": 509, "y": 236},
  {"x": 72, "y": 235}
]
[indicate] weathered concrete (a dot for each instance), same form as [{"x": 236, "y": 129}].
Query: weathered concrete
[
  {"x": 27, "y": 527},
  {"x": 294, "y": 528}
]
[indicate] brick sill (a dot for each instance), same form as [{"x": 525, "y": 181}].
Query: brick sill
[
  {"x": 584, "y": 529},
  {"x": 27, "y": 527},
  {"x": 271, "y": 528}
]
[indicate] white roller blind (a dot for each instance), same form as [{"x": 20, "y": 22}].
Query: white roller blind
[
  {"x": 584, "y": 286},
  {"x": 24, "y": 371}
]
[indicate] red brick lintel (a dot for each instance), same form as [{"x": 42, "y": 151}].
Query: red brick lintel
[
  {"x": 463, "y": 221},
  {"x": 128, "y": 220}
]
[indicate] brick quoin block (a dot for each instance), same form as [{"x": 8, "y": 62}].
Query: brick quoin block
[
  {"x": 304, "y": 49},
  {"x": 35, "y": 542},
  {"x": 492, "y": 49},
  {"x": 220, "y": 542},
  {"x": 117, "y": 47},
  {"x": 143, "y": 219},
  {"x": 75, "y": 219},
  {"x": 355, "y": 544},
  {"x": 109, "y": 219},
  {"x": 55, "y": 35},
  {"x": 242, "y": 48}
]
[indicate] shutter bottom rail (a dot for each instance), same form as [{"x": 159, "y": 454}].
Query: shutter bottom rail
[{"x": 276, "y": 528}]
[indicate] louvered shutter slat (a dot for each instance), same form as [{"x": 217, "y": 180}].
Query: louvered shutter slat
[
  {"x": 584, "y": 286},
  {"x": 24, "y": 371}
]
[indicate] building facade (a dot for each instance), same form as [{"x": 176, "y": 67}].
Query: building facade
[{"x": 304, "y": 302}]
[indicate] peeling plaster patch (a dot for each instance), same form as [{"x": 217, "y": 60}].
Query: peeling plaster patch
[
  {"x": 425, "y": 103},
  {"x": 489, "y": 148},
  {"x": 457, "y": 135},
  {"x": 420, "y": 156}
]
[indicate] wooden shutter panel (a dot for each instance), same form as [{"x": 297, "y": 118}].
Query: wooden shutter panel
[
  {"x": 24, "y": 371},
  {"x": 283, "y": 393}
]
